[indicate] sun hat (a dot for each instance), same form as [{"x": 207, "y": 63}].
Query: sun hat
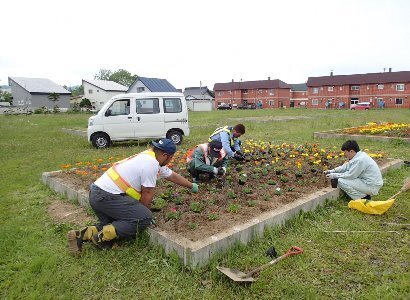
[
  {"x": 215, "y": 148},
  {"x": 165, "y": 145}
]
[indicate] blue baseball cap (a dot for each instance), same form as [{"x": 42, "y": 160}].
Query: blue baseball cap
[{"x": 165, "y": 145}]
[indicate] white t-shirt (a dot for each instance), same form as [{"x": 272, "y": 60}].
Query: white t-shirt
[{"x": 141, "y": 170}]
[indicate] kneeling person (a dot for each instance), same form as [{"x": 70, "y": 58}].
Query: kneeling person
[
  {"x": 209, "y": 158},
  {"x": 360, "y": 177},
  {"x": 121, "y": 198}
]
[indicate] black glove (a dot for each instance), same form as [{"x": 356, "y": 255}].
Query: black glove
[
  {"x": 238, "y": 157},
  {"x": 239, "y": 153},
  {"x": 221, "y": 171}
]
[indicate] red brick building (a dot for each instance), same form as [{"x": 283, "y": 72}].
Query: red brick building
[
  {"x": 391, "y": 89},
  {"x": 266, "y": 93}
]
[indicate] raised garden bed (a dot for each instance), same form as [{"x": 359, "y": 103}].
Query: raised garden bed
[
  {"x": 384, "y": 132},
  {"x": 281, "y": 180}
]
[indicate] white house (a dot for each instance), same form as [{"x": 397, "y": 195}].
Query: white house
[
  {"x": 100, "y": 91},
  {"x": 199, "y": 98}
]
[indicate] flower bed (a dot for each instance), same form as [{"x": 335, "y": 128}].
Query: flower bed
[
  {"x": 271, "y": 176},
  {"x": 399, "y": 130}
]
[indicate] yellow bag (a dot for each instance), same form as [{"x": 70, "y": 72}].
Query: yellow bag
[{"x": 371, "y": 207}]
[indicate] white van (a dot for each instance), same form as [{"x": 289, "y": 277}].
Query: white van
[{"x": 137, "y": 116}]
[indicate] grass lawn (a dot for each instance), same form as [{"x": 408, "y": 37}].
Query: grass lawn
[{"x": 34, "y": 261}]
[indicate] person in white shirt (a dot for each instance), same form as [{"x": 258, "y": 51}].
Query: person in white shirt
[
  {"x": 121, "y": 198},
  {"x": 360, "y": 177}
]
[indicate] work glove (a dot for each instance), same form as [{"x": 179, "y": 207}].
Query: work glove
[
  {"x": 238, "y": 157},
  {"x": 221, "y": 171},
  {"x": 333, "y": 175},
  {"x": 194, "y": 188},
  {"x": 239, "y": 153},
  {"x": 328, "y": 171},
  {"x": 215, "y": 171}
]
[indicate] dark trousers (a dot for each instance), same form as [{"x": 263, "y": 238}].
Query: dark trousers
[{"x": 126, "y": 214}]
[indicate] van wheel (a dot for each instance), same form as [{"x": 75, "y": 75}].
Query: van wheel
[
  {"x": 101, "y": 140},
  {"x": 175, "y": 137}
]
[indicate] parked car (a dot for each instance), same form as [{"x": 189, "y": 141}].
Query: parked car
[
  {"x": 223, "y": 106},
  {"x": 247, "y": 106},
  {"x": 360, "y": 106},
  {"x": 136, "y": 116}
]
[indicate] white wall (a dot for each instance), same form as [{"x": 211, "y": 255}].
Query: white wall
[
  {"x": 98, "y": 97},
  {"x": 197, "y": 105}
]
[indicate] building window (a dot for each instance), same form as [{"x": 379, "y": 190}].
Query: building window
[
  {"x": 271, "y": 102},
  {"x": 245, "y": 91},
  {"x": 400, "y": 87},
  {"x": 355, "y": 87},
  {"x": 315, "y": 102},
  {"x": 330, "y": 88},
  {"x": 315, "y": 90},
  {"x": 140, "y": 89},
  {"x": 399, "y": 101},
  {"x": 380, "y": 86},
  {"x": 90, "y": 91},
  {"x": 230, "y": 92},
  {"x": 341, "y": 88},
  {"x": 271, "y": 92},
  {"x": 220, "y": 93}
]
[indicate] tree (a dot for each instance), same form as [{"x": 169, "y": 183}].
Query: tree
[
  {"x": 103, "y": 74},
  {"x": 53, "y": 97},
  {"x": 123, "y": 77},
  {"x": 85, "y": 103},
  {"x": 6, "y": 97},
  {"x": 120, "y": 76}
]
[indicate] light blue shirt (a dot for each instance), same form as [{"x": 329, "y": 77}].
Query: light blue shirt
[
  {"x": 224, "y": 138},
  {"x": 361, "y": 166}
]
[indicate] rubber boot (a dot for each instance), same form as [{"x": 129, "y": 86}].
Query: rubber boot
[
  {"x": 76, "y": 238},
  {"x": 105, "y": 238}
]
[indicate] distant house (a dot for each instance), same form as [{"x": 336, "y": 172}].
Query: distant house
[
  {"x": 5, "y": 88},
  {"x": 199, "y": 98},
  {"x": 76, "y": 100},
  {"x": 146, "y": 85},
  {"x": 265, "y": 93},
  {"x": 100, "y": 91},
  {"x": 34, "y": 92},
  {"x": 298, "y": 95},
  {"x": 387, "y": 89}
]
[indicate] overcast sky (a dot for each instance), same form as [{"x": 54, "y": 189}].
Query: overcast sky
[{"x": 210, "y": 41}]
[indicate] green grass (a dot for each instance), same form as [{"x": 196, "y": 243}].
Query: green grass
[{"x": 34, "y": 262}]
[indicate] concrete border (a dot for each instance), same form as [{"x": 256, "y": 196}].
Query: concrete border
[
  {"x": 195, "y": 254},
  {"x": 333, "y": 134}
]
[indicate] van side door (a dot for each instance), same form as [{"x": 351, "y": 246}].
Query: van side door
[
  {"x": 118, "y": 120},
  {"x": 176, "y": 114},
  {"x": 149, "y": 119}
]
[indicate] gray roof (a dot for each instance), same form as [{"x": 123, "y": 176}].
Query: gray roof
[
  {"x": 39, "y": 85},
  {"x": 157, "y": 84},
  {"x": 107, "y": 85},
  {"x": 369, "y": 78},
  {"x": 245, "y": 85},
  {"x": 299, "y": 87},
  {"x": 198, "y": 92}
]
